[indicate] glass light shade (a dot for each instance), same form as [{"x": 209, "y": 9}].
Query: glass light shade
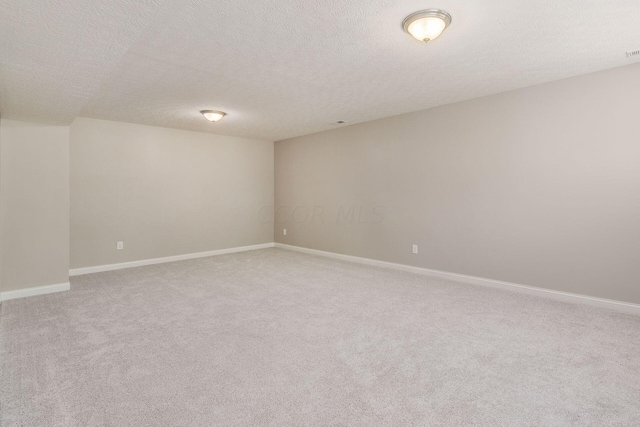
[
  {"x": 212, "y": 115},
  {"x": 426, "y": 25}
]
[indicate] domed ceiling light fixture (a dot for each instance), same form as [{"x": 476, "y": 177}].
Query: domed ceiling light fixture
[
  {"x": 213, "y": 115},
  {"x": 426, "y": 25}
]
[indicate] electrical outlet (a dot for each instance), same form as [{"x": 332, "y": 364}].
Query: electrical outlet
[
  {"x": 415, "y": 249},
  {"x": 120, "y": 245},
  {"x": 284, "y": 231}
]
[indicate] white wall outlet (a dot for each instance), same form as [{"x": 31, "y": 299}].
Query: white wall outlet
[
  {"x": 284, "y": 231},
  {"x": 120, "y": 245},
  {"x": 415, "y": 249}
]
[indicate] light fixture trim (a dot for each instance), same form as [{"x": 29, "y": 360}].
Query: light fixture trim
[
  {"x": 213, "y": 115},
  {"x": 425, "y": 14}
]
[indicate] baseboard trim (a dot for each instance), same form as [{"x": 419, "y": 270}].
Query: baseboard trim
[
  {"x": 37, "y": 290},
  {"x": 625, "y": 307},
  {"x": 130, "y": 264}
]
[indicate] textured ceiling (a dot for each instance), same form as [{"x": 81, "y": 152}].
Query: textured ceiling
[
  {"x": 282, "y": 68},
  {"x": 54, "y": 55}
]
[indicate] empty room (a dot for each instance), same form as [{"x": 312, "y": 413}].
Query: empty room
[{"x": 314, "y": 213}]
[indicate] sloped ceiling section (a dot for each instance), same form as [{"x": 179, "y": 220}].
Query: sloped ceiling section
[
  {"x": 55, "y": 54},
  {"x": 283, "y": 68}
]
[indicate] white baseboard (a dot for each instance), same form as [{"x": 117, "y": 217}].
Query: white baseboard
[
  {"x": 119, "y": 266},
  {"x": 37, "y": 290},
  {"x": 625, "y": 307}
]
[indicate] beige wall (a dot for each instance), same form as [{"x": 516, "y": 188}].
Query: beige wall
[
  {"x": 1, "y": 216},
  {"x": 165, "y": 192},
  {"x": 34, "y": 204},
  {"x": 539, "y": 186}
]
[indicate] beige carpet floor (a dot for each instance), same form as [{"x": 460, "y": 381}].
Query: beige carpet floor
[{"x": 273, "y": 337}]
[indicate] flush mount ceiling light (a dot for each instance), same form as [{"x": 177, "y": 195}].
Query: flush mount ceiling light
[
  {"x": 426, "y": 25},
  {"x": 213, "y": 115}
]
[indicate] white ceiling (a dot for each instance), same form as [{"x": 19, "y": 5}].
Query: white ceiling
[{"x": 283, "y": 68}]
